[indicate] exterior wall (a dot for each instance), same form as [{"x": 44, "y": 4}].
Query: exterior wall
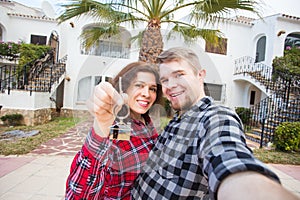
[
  {"x": 35, "y": 108},
  {"x": 30, "y": 117},
  {"x": 23, "y": 100},
  {"x": 241, "y": 37},
  {"x": 242, "y": 40},
  {"x": 29, "y": 25},
  {"x": 18, "y": 23},
  {"x": 237, "y": 46}
]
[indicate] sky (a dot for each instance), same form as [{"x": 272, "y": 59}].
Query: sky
[{"x": 269, "y": 7}]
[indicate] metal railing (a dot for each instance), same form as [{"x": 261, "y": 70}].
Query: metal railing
[
  {"x": 282, "y": 105},
  {"x": 37, "y": 76}
]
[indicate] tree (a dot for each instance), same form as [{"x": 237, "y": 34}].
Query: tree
[
  {"x": 288, "y": 65},
  {"x": 154, "y": 12}
]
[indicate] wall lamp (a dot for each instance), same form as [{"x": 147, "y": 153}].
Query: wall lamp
[
  {"x": 280, "y": 32},
  {"x": 67, "y": 78}
]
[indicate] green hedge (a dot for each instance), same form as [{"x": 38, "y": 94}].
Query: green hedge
[
  {"x": 12, "y": 119},
  {"x": 244, "y": 114},
  {"x": 287, "y": 136}
]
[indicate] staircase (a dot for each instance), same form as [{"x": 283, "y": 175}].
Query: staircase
[
  {"x": 37, "y": 76},
  {"x": 282, "y": 104}
]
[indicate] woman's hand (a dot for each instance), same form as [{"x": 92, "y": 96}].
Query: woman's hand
[{"x": 101, "y": 105}]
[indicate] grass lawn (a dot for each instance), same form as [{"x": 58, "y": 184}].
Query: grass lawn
[
  {"x": 60, "y": 125},
  {"x": 279, "y": 157},
  {"x": 48, "y": 131}
]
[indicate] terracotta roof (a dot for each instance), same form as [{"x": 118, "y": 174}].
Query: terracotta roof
[
  {"x": 241, "y": 20},
  {"x": 290, "y": 17},
  {"x": 31, "y": 16},
  {"x": 15, "y": 9}
]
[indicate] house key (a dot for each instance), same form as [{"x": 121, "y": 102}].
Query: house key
[{"x": 120, "y": 130}]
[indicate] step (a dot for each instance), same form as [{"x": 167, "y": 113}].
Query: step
[{"x": 252, "y": 135}]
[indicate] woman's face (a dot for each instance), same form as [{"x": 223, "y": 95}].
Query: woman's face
[{"x": 142, "y": 92}]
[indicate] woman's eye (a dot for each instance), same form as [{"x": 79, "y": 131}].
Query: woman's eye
[
  {"x": 138, "y": 85},
  {"x": 153, "y": 89}
]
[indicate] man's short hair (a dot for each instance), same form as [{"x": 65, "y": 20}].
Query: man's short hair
[{"x": 178, "y": 54}]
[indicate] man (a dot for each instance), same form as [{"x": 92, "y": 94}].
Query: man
[{"x": 202, "y": 153}]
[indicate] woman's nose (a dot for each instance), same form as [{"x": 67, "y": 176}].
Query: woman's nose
[{"x": 145, "y": 91}]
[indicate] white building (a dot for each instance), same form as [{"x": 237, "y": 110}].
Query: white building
[{"x": 245, "y": 42}]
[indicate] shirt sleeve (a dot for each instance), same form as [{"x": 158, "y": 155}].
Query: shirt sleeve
[
  {"x": 224, "y": 150},
  {"x": 85, "y": 172}
]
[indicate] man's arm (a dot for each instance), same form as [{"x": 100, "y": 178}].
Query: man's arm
[{"x": 252, "y": 185}]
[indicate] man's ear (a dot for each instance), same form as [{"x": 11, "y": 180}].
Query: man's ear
[{"x": 202, "y": 74}]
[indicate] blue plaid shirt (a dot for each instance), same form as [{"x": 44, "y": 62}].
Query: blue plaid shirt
[{"x": 196, "y": 151}]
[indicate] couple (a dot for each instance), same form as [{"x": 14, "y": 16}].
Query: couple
[{"x": 201, "y": 154}]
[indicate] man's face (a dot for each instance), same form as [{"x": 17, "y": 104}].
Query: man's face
[{"x": 180, "y": 84}]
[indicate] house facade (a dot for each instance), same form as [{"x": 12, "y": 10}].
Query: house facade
[{"x": 245, "y": 43}]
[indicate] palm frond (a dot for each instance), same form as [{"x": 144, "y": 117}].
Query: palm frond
[
  {"x": 91, "y": 36},
  {"x": 212, "y": 11},
  {"x": 192, "y": 33},
  {"x": 77, "y": 8},
  {"x": 138, "y": 37}
]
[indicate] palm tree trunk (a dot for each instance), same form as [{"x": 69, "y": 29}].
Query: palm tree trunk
[{"x": 152, "y": 44}]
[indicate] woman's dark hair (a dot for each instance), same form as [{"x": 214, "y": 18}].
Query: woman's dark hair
[{"x": 129, "y": 73}]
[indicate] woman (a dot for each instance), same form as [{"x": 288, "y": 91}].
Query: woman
[{"x": 106, "y": 168}]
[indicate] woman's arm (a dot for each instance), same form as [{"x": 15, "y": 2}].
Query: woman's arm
[{"x": 87, "y": 167}]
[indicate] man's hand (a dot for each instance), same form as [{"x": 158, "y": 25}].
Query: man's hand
[{"x": 252, "y": 185}]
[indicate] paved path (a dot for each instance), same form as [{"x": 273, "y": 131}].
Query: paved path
[{"x": 42, "y": 173}]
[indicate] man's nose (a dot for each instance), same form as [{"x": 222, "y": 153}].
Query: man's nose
[{"x": 172, "y": 82}]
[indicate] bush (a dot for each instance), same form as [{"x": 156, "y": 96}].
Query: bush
[
  {"x": 12, "y": 119},
  {"x": 287, "y": 136},
  {"x": 244, "y": 114},
  {"x": 31, "y": 52}
]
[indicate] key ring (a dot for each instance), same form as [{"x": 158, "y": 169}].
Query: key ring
[
  {"x": 120, "y": 130},
  {"x": 127, "y": 109}
]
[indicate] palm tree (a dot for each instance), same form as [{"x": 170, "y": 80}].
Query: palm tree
[{"x": 154, "y": 12}]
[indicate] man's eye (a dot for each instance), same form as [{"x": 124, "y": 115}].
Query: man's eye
[
  {"x": 164, "y": 81},
  {"x": 179, "y": 75}
]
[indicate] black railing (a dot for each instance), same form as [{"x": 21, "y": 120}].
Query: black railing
[
  {"x": 37, "y": 76},
  {"x": 282, "y": 105}
]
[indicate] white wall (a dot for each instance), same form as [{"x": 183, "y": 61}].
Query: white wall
[{"x": 23, "y": 100}]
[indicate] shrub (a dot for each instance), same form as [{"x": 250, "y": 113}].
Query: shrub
[
  {"x": 12, "y": 119},
  {"x": 26, "y": 53},
  {"x": 287, "y": 136},
  {"x": 31, "y": 52},
  {"x": 287, "y": 66},
  {"x": 244, "y": 114}
]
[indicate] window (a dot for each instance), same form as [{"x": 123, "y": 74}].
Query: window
[
  {"x": 84, "y": 89},
  {"x": 292, "y": 40},
  {"x": 1, "y": 34},
  {"x": 99, "y": 78},
  {"x": 116, "y": 46},
  {"x": 86, "y": 84},
  {"x": 260, "y": 49},
  {"x": 38, "y": 39},
  {"x": 220, "y": 47},
  {"x": 252, "y": 97},
  {"x": 213, "y": 90}
]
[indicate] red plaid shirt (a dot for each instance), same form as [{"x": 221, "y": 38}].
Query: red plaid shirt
[{"x": 107, "y": 169}]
